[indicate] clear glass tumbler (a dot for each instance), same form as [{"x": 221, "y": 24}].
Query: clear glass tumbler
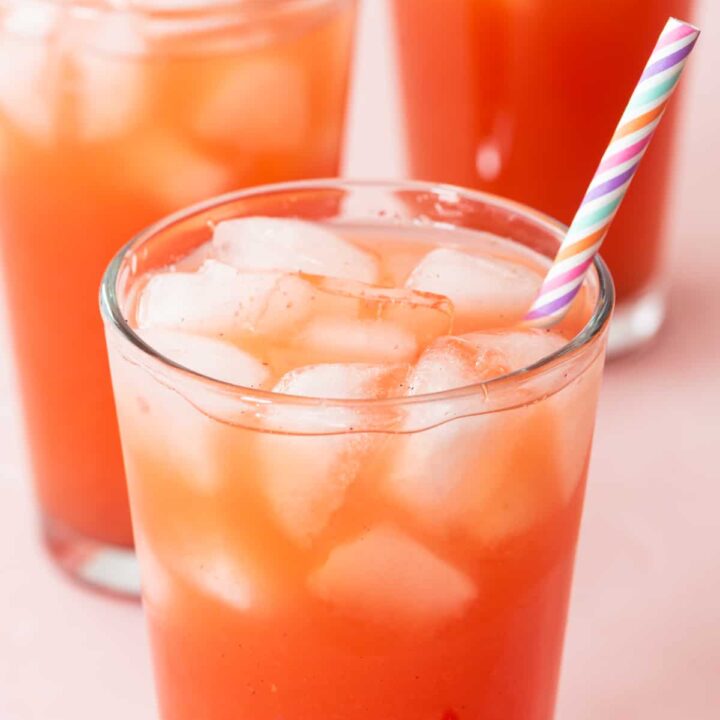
[
  {"x": 523, "y": 104},
  {"x": 112, "y": 115},
  {"x": 300, "y": 557}
]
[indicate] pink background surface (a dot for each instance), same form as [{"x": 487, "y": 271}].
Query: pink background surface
[{"x": 644, "y": 633}]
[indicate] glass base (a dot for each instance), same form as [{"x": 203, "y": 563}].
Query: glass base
[
  {"x": 635, "y": 322},
  {"x": 108, "y": 569}
]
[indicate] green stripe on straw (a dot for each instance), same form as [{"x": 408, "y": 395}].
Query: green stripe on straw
[
  {"x": 656, "y": 92},
  {"x": 599, "y": 214}
]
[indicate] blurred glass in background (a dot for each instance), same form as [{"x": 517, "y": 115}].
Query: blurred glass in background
[
  {"x": 521, "y": 99},
  {"x": 111, "y": 116}
]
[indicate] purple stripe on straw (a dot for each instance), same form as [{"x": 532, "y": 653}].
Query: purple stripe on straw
[
  {"x": 674, "y": 35},
  {"x": 566, "y": 277},
  {"x": 667, "y": 62},
  {"x": 624, "y": 155},
  {"x": 551, "y": 307},
  {"x": 609, "y": 185}
]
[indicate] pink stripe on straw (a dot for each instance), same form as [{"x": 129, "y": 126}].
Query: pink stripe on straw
[
  {"x": 624, "y": 155},
  {"x": 560, "y": 280},
  {"x": 677, "y": 34}
]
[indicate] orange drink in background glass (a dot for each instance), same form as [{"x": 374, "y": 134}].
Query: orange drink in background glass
[
  {"x": 356, "y": 481},
  {"x": 521, "y": 99},
  {"x": 112, "y": 115}
]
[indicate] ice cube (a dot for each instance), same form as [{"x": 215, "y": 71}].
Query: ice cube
[
  {"x": 220, "y": 575},
  {"x": 109, "y": 73},
  {"x": 180, "y": 5},
  {"x": 29, "y": 70},
  {"x": 215, "y": 300},
  {"x": 306, "y": 476},
  {"x": 503, "y": 352},
  {"x": 349, "y": 381},
  {"x": 386, "y": 577},
  {"x": 259, "y": 105},
  {"x": 288, "y": 306},
  {"x": 219, "y": 300},
  {"x": 572, "y": 413},
  {"x": 218, "y": 360},
  {"x": 100, "y": 72},
  {"x": 486, "y": 292},
  {"x": 169, "y": 436},
  {"x": 27, "y": 88},
  {"x": 30, "y": 18},
  {"x": 157, "y": 585},
  {"x": 446, "y": 364},
  {"x": 427, "y": 466},
  {"x": 350, "y": 321},
  {"x": 214, "y": 358},
  {"x": 490, "y": 475},
  {"x": 171, "y": 171},
  {"x": 174, "y": 424},
  {"x": 460, "y": 360},
  {"x": 204, "y": 563},
  {"x": 291, "y": 246}
]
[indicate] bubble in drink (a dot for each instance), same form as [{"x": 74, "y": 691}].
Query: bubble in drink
[
  {"x": 486, "y": 291},
  {"x": 386, "y": 577},
  {"x": 291, "y": 246}
]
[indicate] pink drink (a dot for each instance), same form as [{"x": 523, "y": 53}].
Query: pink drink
[
  {"x": 113, "y": 114},
  {"x": 343, "y": 507}
]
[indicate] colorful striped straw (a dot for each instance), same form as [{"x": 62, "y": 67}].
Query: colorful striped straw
[{"x": 614, "y": 174}]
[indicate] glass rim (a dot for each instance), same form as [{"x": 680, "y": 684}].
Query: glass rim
[
  {"x": 598, "y": 321},
  {"x": 144, "y": 7}
]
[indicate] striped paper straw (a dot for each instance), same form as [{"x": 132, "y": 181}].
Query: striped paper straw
[{"x": 614, "y": 174}]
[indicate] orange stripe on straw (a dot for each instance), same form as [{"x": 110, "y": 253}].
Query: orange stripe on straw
[
  {"x": 578, "y": 247},
  {"x": 639, "y": 122}
]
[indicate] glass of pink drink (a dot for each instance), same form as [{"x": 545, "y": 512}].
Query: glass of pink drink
[
  {"x": 356, "y": 481},
  {"x": 113, "y": 114},
  {"x": 521, "y": 105}
]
